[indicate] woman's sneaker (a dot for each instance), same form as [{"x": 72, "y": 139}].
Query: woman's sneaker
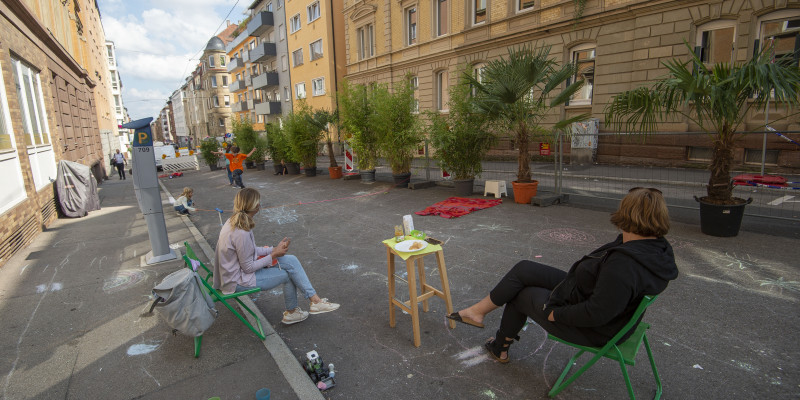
[
  {"x": 295, "y": 316},
  {"x": 322, "y": 307}
]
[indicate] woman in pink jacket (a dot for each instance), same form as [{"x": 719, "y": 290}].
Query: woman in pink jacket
[{"x": 241, "y": 265}]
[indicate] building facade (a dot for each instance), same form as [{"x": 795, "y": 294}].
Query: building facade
[
  {"x": 217, "y": 104},
  {"x": 617, "y": 45},
  {"x": 179, "y": 117}
]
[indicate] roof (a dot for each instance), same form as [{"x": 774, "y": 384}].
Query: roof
[{"x": 225, "y": 35}]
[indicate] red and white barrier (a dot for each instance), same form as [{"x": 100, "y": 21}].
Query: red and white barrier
[{"x": 349, "y": 165}]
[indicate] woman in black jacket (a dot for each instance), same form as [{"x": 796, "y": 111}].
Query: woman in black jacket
[{"x": 589, "y": 304}]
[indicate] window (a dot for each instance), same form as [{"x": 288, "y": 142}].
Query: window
[
  {"x": 715, "y": 42},
  {"x": 227, "y": 101},
  {"x": 300, "y": 90},
  {"x": 286, "y": 94},
  {"x": 222, "y": 60},
  {"x": 783, "y": 34},
  {"x": 281, "y": 32},
  {"x": 222, "y": 122},
  {"x": 10, "y": 170},
  {"x": 318, "y": 86},
  {"x": 441, "y": 90},
  {"x": 284, "y": 62},
  {"x": 525, "y": 4},
  {"x": 365, "y": 41},
  {"x": 753, "y": 156},
  {"x": 316, "y": 50},
  {"x": 414, "y": 86},
  {"x": 411, "y": 26},
  {"x": 583, "y": 58},
  {"x": 699, "y": 153},
  {"x": 211, "y": 61},
  {"x": 477, "y": 73},
  {"x": 280, "y": 4},
  {"x": 313, "y": 11},
  {"x": 479, "y": 15},
  {"x": 6, "y": 132},
  {"x": 213, "y": 81},
  {"x": 215, "y": 99},
  {"x": 224, "y": 80},
  {"x": 269, "y": 7},
  {"x": 297, "y": 57},
  {"x": 442, "y": 20},
  {"x": 295, "y": 23},
  {"x": 29, "y": 90}
]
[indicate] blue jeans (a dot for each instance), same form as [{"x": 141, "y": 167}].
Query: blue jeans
[
  {"x": 288, "y": 272},
  {"x": 230, "y": 174},
  {"x": 237, "y": 176},
  {"x": 181, "y": 209}
]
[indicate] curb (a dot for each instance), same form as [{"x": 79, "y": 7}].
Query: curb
[{"x": 303, "y": 387}]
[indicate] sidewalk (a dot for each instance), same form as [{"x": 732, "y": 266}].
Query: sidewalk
[
  {"x": 74, "y": 308},
  {"x": 72, "y": 304}
]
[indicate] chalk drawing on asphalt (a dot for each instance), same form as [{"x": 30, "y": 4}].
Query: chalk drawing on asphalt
[
  {"x": 280, "y": 215},
  {"x": 492, "y": 228},
  {"x": 124, "y": 280},
  {"x": 565, "y": 236},
  {"x": 143, "y": 348}
]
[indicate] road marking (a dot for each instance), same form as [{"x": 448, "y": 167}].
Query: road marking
[{"x": 784, "y": 199}]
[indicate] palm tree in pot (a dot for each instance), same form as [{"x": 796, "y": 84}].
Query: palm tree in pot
[
  {"x": 323, "y": 120},
  {"x": 356, "y": 108},
  {"x": 397, "y": 124},
  {"x": 461, "y": 138},
  {"x": 717, "y": 99},
  {"x": 518, "y": 92}
]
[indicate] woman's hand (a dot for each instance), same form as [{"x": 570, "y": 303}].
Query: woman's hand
[
  {"x": 281, "y": 249},
  {"x": 550, "y": 317}
]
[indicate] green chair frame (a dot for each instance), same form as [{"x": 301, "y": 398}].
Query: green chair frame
[
  {"x": 624, "y": 353},
  {"x": 219, "y": 297}
]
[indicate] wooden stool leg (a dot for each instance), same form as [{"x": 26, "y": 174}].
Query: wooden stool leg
[
  {"x": 412, "y": 301},
  {"x": 422, "y": 288},
  {"x": 390, "y": 282},
  {"x": 445, "y": 285}
]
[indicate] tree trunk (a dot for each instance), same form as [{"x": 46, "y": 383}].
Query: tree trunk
[
  {"x": 720, "y": 188},
  {"x": 523, "y": 159},
  {"x": 330, "y": 153}
]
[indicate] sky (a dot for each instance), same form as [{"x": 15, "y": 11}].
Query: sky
[{"x": 159, "y": 42}]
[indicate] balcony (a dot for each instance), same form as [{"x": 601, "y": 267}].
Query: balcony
[
  {"x": 237, "y": 86},
  {"x": 239, "y": 106},
  {"x": 260, "y": 23},
  {"x": 265, "y": 79},
  {"x": 248, "y": 80},
  {"x": 268, "y": 108},
  {"x": 263, "y": 52},
  {"x": 235, "y": 64}
]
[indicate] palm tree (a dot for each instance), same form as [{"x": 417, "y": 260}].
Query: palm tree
[
  {"x": 323, "y": 119},
  {"x": 716, "y": 98},
  {"x": 519, "y": 91}
]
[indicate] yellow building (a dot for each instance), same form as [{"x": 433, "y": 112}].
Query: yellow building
[{"x": 316, "y": 51}]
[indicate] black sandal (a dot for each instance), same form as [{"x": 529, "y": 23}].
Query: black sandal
[{"x": 496, "y": 348}]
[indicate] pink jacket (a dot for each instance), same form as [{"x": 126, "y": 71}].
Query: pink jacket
[{"x": 236, "y": 259}]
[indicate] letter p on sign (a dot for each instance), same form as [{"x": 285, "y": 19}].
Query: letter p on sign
[{"x": 142, "y": 137}]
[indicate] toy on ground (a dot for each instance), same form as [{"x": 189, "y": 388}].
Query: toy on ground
[{"x": 321, "y": 375}]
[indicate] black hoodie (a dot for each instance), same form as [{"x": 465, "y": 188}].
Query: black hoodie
[{"x": 602, "y": 290}]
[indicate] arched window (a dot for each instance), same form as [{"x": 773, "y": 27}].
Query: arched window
[
  {"x": 782, "y": 31},
  {"x": 715, "y": 41},
  {"x": 440, "y": 87}
]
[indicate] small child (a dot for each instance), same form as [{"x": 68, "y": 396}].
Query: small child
[
  {"x": 184, "y": 203},
  {"x": 236, "y": 159}
]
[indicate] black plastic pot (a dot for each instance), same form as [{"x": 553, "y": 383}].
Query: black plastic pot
[
  {"x": 250, "y": 164},
  {"x": 721, "y": 220},
  {"x": 401, "y": 180},
  {"x": 463, "y": 186},
  {"x": 293, "y": 168},
  {"x": 310, "y": 171},
  {"x": 367, "y": 176},
  {"x": 213, "y": 167},
  {"x": 278, "y": 168}
]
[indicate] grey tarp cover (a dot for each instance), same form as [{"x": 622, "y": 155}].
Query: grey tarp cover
[{"x": 77, "y": 189}]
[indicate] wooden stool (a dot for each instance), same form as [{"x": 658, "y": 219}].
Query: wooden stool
[
  {"x": 495, "y": 187},
  {"x": 427, "y": 290}
]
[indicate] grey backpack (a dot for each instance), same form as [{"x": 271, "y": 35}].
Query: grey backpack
[{"x": 183, "y": 303}]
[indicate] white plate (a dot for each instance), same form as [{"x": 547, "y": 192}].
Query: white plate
[{"x": 405, "y": 245}]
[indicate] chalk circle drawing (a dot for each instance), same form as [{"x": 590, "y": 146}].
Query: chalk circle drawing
[
  {"x": 175, "y": 246},
  {"x": 54, "y": 287},
  {"x": 351, "y": 267},
  {"x": 565, "y": 236},
  {"x": 492, "y": 228},
  {"x": 143, "y": 348},
  {"x": 124, "y": 280},
  {"x": 280, "y": 215},
  {"x": 471, "y": 357}
]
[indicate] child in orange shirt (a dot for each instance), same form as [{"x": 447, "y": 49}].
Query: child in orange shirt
[{"x": 236, "y": 159}]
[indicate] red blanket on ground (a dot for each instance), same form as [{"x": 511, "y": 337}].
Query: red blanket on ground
[{"x": 458, "y": 206}]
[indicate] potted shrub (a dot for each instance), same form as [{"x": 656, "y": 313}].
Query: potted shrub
[
  {"x": 397, "y": 127},
  {"x": 716, "y": 98},
  {"x": 323, "y": 119},
  {"x": 517, "y": 93},
  {"x": 356, "y": 109},
  {"x": 276, "y": 147},
  {"x": 461, "y": 138},
  {"x": 303, "y": 136},
  {"x": 207, "y": 149},
  {"x": 261, "y": 152},
  {"x": 245, "y": 137}
]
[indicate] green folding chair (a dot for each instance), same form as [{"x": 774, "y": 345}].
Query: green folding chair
[
  {"x": 624, "y": 353},
  {"x": 219, "y": 297}
]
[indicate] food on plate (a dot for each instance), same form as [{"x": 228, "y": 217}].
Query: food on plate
[{"x": 416, "y": 245}]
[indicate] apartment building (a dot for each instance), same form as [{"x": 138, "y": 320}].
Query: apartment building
[
  {"x": 115, "y": 138},
  {"x": 214, "y": 80},
  {"x": 317, "y": 46},
  {"x": 179, "y": 117},
  {"x": 617, "y": 45},
  {"x": 271, "y": 85}
]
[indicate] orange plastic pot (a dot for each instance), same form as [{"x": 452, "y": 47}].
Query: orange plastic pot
[
  {"x": 335, "y": 172},
  {"x": 524, "y": 192}
]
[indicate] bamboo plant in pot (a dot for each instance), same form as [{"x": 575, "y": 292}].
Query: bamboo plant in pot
[
  {"x": 517, "y": 92},
  {"x": 304, "y": 136},
  {"x": 461, "y": 138},
  {"x": 398, "y": 127},
  {"x": 356, "y": 109},
  {"x": 207, "y": 147},
  {"x": 717, "y": 99},
  {"x": 245, "y": 138}
]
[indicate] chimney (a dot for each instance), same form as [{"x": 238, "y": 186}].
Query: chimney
[{"x": 228, "y": 22}]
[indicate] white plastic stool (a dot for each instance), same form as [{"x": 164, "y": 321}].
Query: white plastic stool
[{"x": 495, "y": 187}]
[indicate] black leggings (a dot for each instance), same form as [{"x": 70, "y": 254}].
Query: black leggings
[{"x": 524, "y": 291}]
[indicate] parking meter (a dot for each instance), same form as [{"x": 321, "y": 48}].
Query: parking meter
[{"x": 148, "y": 193}]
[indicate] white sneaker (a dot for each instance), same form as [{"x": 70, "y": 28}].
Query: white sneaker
[
  {"x": 322, "y": 307},
  {"x": 295, "y": 316}
]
